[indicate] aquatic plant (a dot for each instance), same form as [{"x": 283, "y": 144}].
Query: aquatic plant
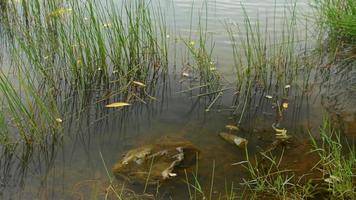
[
  {"x": 338, "y": 17},
  {"x": 200, "y": 68},
  {"x": 267, "y": 60},
  {"x": 337, "y": 163},
  {"x": 80, "y": 44}
]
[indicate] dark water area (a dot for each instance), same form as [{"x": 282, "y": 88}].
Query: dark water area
[{"x": 94, "y": 139}]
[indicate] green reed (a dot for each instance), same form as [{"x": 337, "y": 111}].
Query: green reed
[
  {"x": 337, "y": 162},
  {"x": 82, "y": 43},
  {"x": 338, "y": 17},
  {"x": 269, "y": 58},
  {"x": 70, "y": 49}
]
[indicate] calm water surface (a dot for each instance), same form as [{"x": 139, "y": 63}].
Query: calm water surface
[{"x": 74, "y": 168}]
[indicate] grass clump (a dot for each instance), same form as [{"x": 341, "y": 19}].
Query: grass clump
[
  {"x": 91, "y": 44},
  {"x": 333, "y": 174},
  {"x": 337, "y": 163},
  {"x": 338, "y": 17},
  {"x": 268, "y": 60}
]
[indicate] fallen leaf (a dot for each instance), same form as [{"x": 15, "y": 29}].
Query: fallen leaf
[
  {"x": 184, "y": 74},
  {"x": 285, "y": 105},
  {"x": 232, "y": 127},
  {"x": 139, "y": 83},
  {"x": 117, "y": 105}
]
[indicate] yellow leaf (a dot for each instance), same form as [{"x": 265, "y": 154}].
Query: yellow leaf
[
  {"x": 232, "y": 127},
  {"x": 60, "y": 12},
  {"x": 285, "y": 105},
  {"x": 117, "y": 105},
  {"x": 139, "y": 83},
  {"x": 59, "y": 120}
]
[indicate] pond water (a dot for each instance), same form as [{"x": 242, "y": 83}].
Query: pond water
[{"x": 74, "y": 168}]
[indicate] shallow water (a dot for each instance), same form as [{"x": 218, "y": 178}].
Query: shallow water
[{"x": 74, "y": 168}]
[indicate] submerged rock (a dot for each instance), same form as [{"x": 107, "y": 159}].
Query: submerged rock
[
  {"x": 233, "y": 139},
  {"x": 157, "y": 162}
]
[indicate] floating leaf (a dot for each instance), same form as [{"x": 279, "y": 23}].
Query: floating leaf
[
  {"x": 172, "y": 174},
  {"x": 139, "y": 83},
  {"x": 59, "y": 12},
  {"x": 117, "y": 105},
  {"x": 285, "y": 105},
  {"x": 232, "y": 127},
  {"x": 185, "y": 74}
]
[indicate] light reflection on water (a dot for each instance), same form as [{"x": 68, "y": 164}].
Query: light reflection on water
[{"x": 76, "y": 159}]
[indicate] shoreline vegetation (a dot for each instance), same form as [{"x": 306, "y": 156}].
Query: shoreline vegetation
[{"x": 64, "y": 57}]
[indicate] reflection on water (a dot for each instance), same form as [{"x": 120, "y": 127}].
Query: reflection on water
[
  {"x": 71, "y": 167},
  {"x": 76, "y": 160}
]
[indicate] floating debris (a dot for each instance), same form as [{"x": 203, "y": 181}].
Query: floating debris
[
  {"x": 154, "y": 163},
  {"x": 285, "y": 105},
  {"x": 60, "y": 12},
  {"x": 117, "y": 105},
  {"x": 269, "y": 96},
  {"x": 59, "y": 120},
  {"x": 332, "y": 179},
  {"x": 232, "y": 127},
  {"x": 108, "y": 25},
  {"x": 233, "y": 139},
  {"x": 185, "y": 74},
  {"x": 139, "y": 83},
  {"x": 287, "y": 87},
  {"x": 281, "y": 133}
]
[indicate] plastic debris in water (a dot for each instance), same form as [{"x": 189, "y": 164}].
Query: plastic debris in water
[{"x": 234, "y": 139}]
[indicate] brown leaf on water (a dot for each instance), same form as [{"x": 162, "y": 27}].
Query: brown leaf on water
[
  {"x": 139, "y": 83},
  {"x": 117, "y": 105}
]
